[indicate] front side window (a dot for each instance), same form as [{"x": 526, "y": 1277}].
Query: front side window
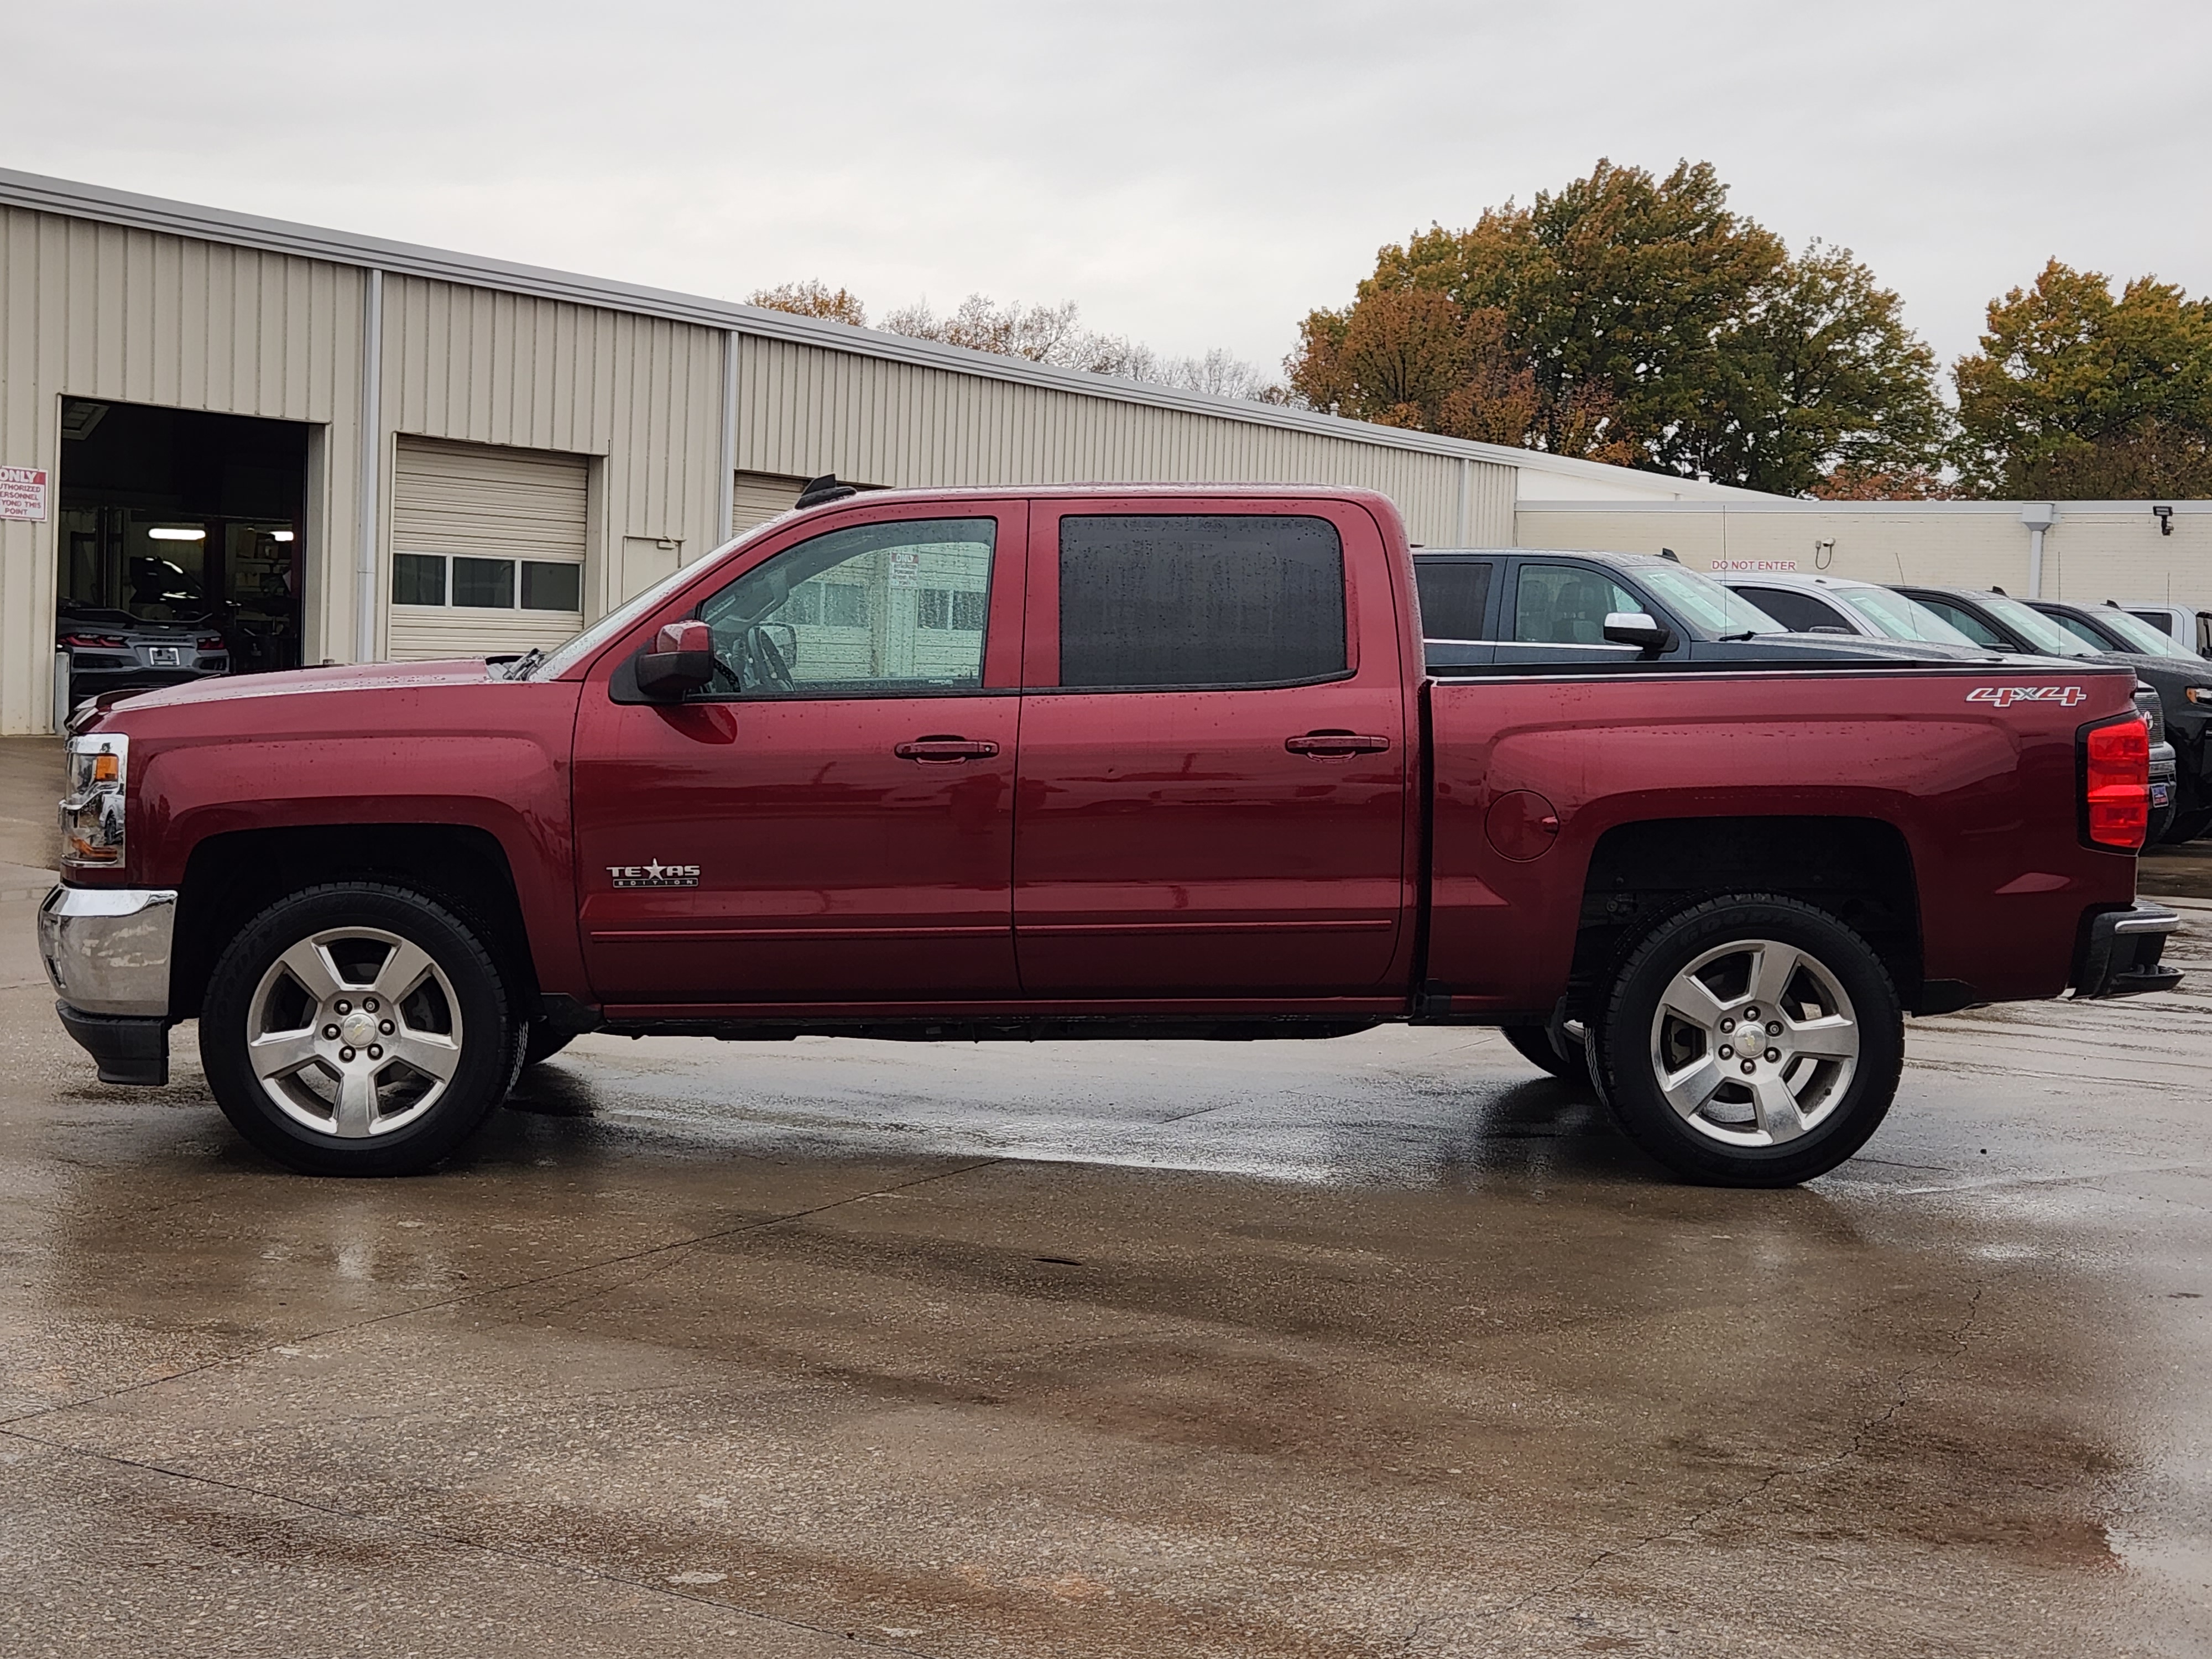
[
  {"x": 1155, "y": 600},
  {"x": 873, "y": 609},
  {"x": 1567, "y": 605}
]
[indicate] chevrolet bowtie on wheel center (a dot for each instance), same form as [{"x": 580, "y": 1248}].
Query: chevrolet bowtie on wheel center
[{"x": 1115, "y": 762}]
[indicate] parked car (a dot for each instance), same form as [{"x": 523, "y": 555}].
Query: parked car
[
  {"x": 114, "y": 651},
  {"x": 1809, "y": 603},
  {"x": 776, "y": 793},
  {"x": 2011, "y": 623},
  {"x": 1507, "y": 606},
  {"x": 1832, "y": 605},
  {"x": 2186, "y": 626}
]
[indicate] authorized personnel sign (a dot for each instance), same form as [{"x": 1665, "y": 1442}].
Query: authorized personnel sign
[{"x": 23, "y": 492}]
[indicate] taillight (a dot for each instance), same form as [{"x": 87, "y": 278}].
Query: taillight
[
  {"x": 109, "y": 642},
  {"x": 2116, "y": 783},
  {"x": 213, "y": 642}
]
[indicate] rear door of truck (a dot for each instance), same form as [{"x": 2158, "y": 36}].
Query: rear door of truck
[{"x": 1215, "y": 770}]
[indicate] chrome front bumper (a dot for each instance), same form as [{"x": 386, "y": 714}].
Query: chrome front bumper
[{"x": 106, "y": 949}]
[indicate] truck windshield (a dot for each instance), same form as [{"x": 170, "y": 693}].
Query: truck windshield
[
  {"x": 2141, "y": 636},
  {"x": 1703, "y": 603},
  {"x": 2039, "y": 631},
  {"x": 1899, "y": 618}
]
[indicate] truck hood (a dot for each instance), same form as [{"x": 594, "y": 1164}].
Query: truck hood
[{"x": 307, "y": 682}]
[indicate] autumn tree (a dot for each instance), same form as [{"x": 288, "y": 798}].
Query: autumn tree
[
  {"x": 1631, "y": 319},
  {"x": 2077, "y": 395},
  {"x": 813, "y": 297},
  {"x": 1043, "y": 334}
]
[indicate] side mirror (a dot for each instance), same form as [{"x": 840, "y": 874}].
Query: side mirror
[
  {"x": 680, "y": 660},
  {"x": 1647, "y": 633}
]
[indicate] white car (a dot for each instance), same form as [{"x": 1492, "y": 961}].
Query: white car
[
  {"x": 2185, "y": 624},
  {"x": 1841, "y": 604}
]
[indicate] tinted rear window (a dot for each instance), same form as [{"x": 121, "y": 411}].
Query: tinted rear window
[
  {"x": 1164, "y": 599},
  {"x": 1455, "y": 598}
]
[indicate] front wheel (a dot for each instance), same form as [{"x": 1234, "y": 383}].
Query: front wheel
[
  {"x": 1751, "y": 1041},
  {"x": 357, "y": 1029}
]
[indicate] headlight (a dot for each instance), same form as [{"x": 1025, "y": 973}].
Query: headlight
[
  {"x": 92, "y": 811},
  {"x": 2198, "y": 693}
]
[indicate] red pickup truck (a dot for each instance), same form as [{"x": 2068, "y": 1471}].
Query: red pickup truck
[{"x": 1096, "y": 762}]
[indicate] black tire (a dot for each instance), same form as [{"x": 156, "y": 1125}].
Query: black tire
[
  {"x": 2185, "y": 826},
  {"x": 543, "y": 1041},
  {"x": 1534, "y": 1043},
  {"x": 1727, "y": 1141},
  {"x": 456, "y": 1016}
]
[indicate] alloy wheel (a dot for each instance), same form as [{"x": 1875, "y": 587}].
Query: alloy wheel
[
  {"x": 1754, "y": 1043},
  {"x": 354, "y": 1032}
]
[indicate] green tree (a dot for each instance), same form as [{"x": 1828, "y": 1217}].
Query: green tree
[
  {"x": 1635, "y": 319},
  {"x": 2077, "y": 395}
]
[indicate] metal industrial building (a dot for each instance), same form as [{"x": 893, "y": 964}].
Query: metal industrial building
[
  {"x": 349, "y": 448},
  {"x": 346, "y": 449}
]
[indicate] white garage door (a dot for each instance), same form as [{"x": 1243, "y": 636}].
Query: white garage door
[
  {"x": 757, "y": 497},
  {"x": 486, "y": 549}
]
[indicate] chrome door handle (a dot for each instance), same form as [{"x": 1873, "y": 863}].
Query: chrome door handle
[
  {"x": 946, "y": 749},
  {"x": 1324, "y": 744}
]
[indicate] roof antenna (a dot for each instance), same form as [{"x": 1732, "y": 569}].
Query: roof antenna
[
  {"x": 1668, "y": 553},
  {"x": 823, "y": 490}
]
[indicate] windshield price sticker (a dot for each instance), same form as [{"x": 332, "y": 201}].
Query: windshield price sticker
[
  {"x": 23, "y": 493},
  {"x": 906, "y": 569}
]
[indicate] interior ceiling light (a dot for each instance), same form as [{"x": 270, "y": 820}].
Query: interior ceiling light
[
  {"x": 281, "y": 536},
  {"x": 161, "y": 533}
]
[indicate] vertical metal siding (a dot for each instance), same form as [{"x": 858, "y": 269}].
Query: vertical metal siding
[
  {"x": 473, "y": 366},
  {"x": 91, "y": 310}
]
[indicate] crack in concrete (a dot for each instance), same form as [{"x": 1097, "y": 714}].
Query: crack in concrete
[
  {"x": 415, "y": 1529},
  {"x": 8, "y": 1425},
  {"x": 1685, "y": 1531}
]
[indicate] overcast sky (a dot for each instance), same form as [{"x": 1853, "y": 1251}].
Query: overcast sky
[{"x": 1190, "y": 173}]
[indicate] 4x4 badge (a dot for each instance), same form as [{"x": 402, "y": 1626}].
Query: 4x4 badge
[
  {"x": 655, "y": 874},
  {"x": 2005, "y": 696}
]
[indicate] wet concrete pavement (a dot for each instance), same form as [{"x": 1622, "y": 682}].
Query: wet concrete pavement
[{"x": 1379, "y": 1346}]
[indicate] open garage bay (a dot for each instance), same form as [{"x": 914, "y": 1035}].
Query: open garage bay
[{"x": 1380, "y": 1345}]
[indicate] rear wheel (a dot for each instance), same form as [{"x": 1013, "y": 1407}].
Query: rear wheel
[
  {"x": 357, "y": 1030},
  {"x": 1751, "y": 1041},
  {"x": 1534, "y": 1044}
]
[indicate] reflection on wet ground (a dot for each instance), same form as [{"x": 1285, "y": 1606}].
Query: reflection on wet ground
[{"x": 1380, "y": 1345}]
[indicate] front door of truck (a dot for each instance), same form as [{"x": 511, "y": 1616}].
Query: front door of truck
[
  {"x": 831, "y": 821},
  {"x": 1214, "y": 769}
]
